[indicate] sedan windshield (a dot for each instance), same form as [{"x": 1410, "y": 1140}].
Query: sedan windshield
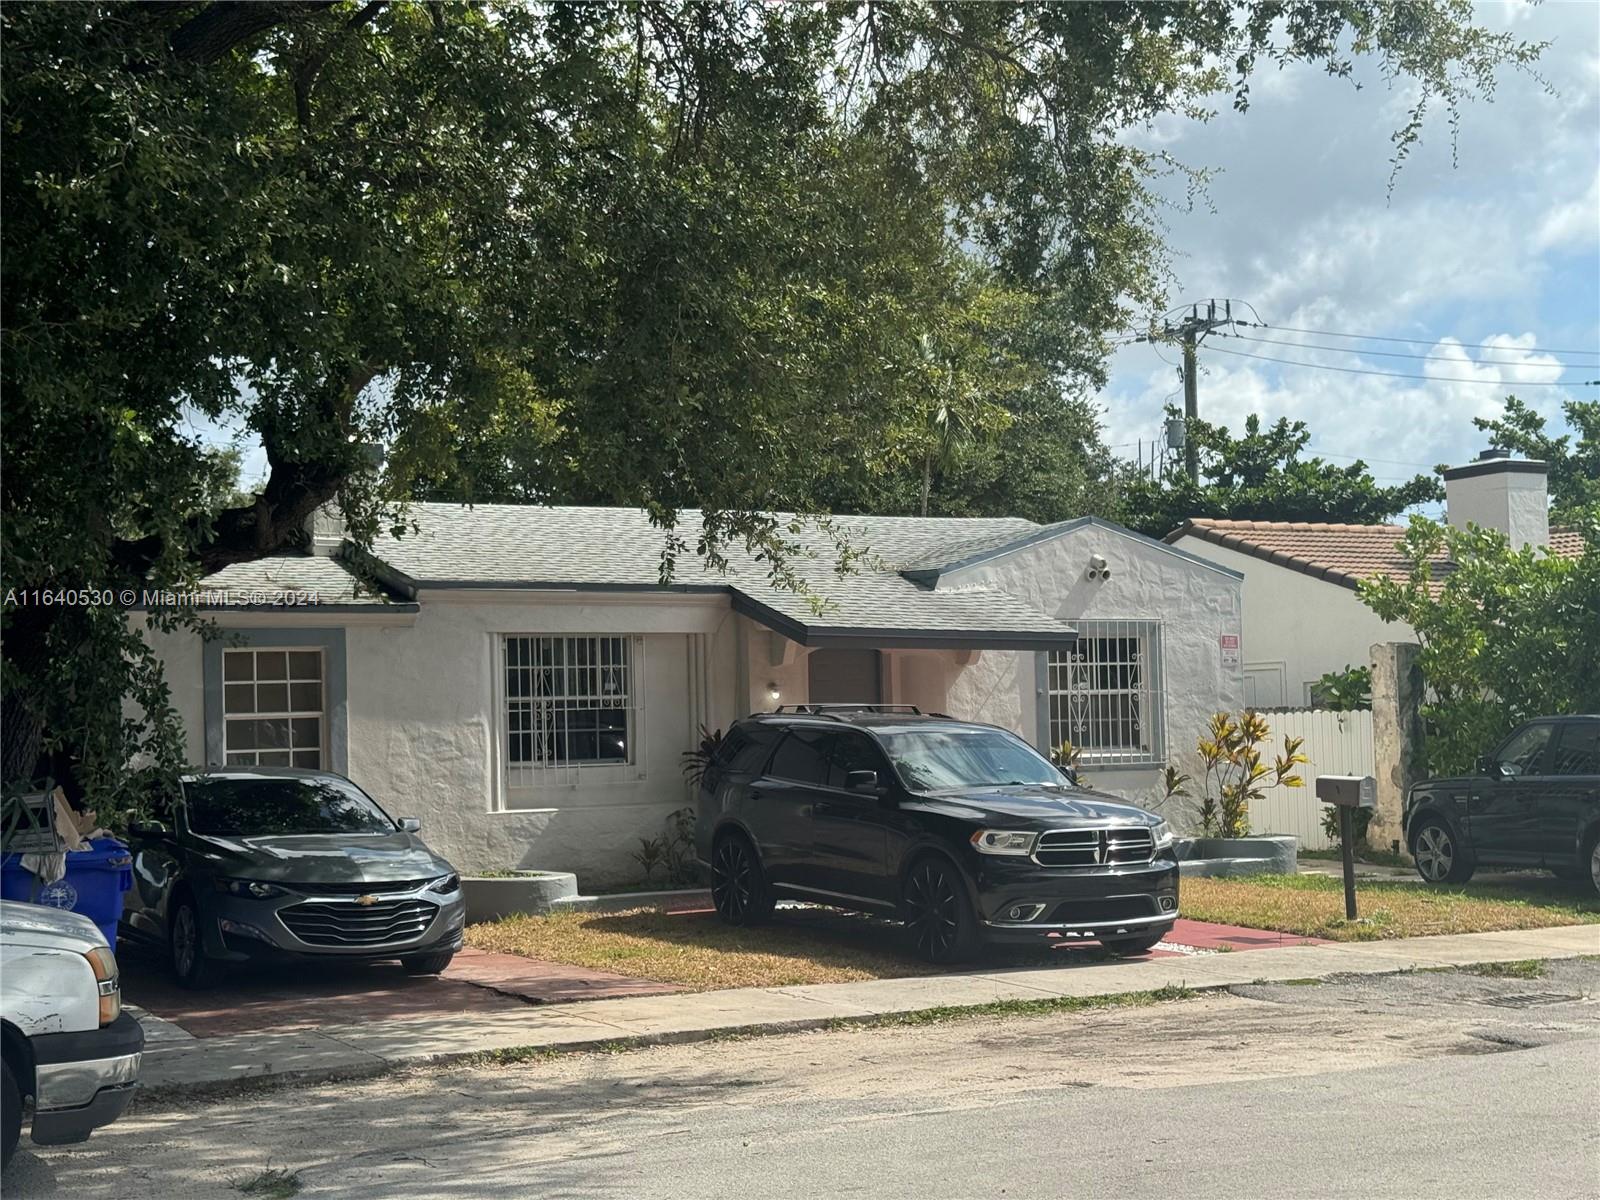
[
  {"x": 267, "y": 807},
  {"x": 944, "y": 760}
]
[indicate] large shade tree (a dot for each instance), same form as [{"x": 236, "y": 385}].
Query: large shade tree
[{"x": 680, "y": 251}]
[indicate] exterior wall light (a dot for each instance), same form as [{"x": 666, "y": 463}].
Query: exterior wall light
[{"x": 773, "y": 693}]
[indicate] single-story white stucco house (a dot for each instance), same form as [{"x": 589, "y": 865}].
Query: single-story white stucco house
[
  {"x": 522, "y": 680},
  {"x": 1303, "y": 617}
]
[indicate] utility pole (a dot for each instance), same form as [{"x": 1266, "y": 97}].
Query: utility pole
[{"x": 1189, "y": 333}]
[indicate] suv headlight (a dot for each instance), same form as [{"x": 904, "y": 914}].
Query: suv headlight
[
  {"x": 1004, "y": 841},
  {"x": 446, "y": 885},
  {"x": 249, "y": 889},
  {"x": 108, "y": 982},
  {"x": 1161, "y": 835}
]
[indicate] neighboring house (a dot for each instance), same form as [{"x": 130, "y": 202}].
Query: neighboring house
[
  {"x": 1302, "y": 616},
  {"x": 524, "y": 682}
]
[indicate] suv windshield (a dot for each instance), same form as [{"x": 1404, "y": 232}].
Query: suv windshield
[
  {"x": 267, "y": 807},
  {"x": 952, "y": 759}
]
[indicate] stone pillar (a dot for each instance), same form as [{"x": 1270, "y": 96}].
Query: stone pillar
[{"x": 1396, "y": 734}]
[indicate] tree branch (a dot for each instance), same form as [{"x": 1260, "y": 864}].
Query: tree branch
[{"x": 217, "y": 28}]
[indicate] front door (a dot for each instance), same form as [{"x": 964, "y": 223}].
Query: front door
[
  {"x": 1505, "y": 814},
  {"x": 843, "y": 677},
  {"x": 849, "y": 829},
  {"x": 1572, "y": 799}
]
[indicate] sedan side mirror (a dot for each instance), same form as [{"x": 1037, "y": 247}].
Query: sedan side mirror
[
  {"x": 861, "y": 781},
  {"x": 410, "y": 824}
]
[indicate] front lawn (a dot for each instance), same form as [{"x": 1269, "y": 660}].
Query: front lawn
[
  {"x": 699, "y": 952},
  {"x": 1313, "y": 906}
]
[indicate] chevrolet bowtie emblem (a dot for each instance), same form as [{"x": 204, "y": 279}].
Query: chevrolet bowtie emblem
[{"x": 366, "y": 901}]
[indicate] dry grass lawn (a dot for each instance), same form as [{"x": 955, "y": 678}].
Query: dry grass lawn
[
  {"x": 1313, "y": 906},
  {"x": 699, "y": 952}
]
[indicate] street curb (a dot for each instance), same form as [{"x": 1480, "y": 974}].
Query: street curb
[{"x": 169, "y": 1095}]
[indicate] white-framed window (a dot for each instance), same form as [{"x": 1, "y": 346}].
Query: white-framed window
[
  {"x": 274, "y": 708},
  {"x": 569, "y": 702},
  {"x": 1106, "y": 696}
]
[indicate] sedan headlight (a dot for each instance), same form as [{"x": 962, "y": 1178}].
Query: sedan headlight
[
  {"x": 249, "y": 889},
  {"x": 1004, "y": 841},
  {"x": 1161, "y": 834},
  {"x": 446, "y": 885}
]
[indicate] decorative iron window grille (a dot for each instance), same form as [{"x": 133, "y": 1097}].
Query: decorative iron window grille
[
  {"x": 569, "y": 702},
  {"x": 1106, "y": 693}
]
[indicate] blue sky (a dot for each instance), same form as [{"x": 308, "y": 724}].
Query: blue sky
[{"x": 1502, "y": 248}]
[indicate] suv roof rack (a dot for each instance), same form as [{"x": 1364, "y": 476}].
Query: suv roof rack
[{"x": 829, "y": 710}]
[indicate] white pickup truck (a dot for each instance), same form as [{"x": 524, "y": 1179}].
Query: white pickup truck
[{"x": 66, "y": 1043}]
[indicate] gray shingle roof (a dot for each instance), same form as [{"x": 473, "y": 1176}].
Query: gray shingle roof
[
  {"x": 525, "y": 546},
  {"x": 514, "y": 545},
  {"x": 289, "y": 580}
]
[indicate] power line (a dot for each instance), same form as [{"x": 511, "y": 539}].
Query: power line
[
  {"x": 1373, "y": 337},
  {"x": 1292, "y": 362},
  {"x": 1396, "y": 353}
]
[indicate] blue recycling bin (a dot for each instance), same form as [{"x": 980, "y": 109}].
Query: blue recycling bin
[{"x": 92, "y": 886}]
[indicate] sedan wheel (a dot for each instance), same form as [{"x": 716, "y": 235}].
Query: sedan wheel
[
  {"x": 938, "y": 915},
  {"x": 738, "y": 884},
  {"x": 189, "y": 962}
]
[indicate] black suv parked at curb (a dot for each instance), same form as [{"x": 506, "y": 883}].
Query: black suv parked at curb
[
  {"x": 1534, "y": 802},
  {"x": 962, "y": 831}
]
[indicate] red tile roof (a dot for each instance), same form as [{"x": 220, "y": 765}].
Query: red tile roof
[{"x": 1341, "y": 554}]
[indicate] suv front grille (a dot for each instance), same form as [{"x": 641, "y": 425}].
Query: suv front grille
[
  {"x": 1094, "y": 847},
  {"x": 357, "y": 925}
]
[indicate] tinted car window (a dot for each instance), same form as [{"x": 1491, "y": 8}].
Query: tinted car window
[
  {"x": 1524, "y": 753},
  {"x": 944, "y": 759},
  {"x": 803, "y": 756},
  {"x": 749, "y": 750},
  {"x": 853, "y": 752},
  {"x": 1578, "y": 751},
  {"x": 269, "y": 807}
]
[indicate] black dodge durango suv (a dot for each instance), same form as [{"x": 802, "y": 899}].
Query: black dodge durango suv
[{"x": 962, "y": 831}]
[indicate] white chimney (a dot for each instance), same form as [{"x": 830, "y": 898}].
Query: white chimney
[{"x": 1501, "y": 492}]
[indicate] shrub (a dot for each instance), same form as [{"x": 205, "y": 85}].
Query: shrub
[{"x": 1235, "y": 774}]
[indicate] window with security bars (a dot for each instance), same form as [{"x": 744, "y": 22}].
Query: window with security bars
[
  {"x": 272, "y": 708},
  {"x": 569, "y": 701},
  {"x": 1106, "y": 693}
]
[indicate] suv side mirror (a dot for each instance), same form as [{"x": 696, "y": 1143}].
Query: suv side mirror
[
  {"x": 1071, "y": 773},
  {"x": 409, "y": 824},
  {"x": 1485, "y": 765},
  {"x": 861, "y": 781}
]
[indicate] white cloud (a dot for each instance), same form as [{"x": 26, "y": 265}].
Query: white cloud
[{"x": 1486, "y": 261}]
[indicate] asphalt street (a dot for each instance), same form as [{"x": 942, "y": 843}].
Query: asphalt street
[{"x": 1419, "y": 1085}]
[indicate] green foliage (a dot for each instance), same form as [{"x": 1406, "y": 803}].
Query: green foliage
[
  {"x": 1261, "y": 476},
  {"x": 1235, "y": 774},
  {"x": 1574, "y": 469},
  {"x": 672, "y": 853},
  {"x": 1360, "y": 817},
  {"x": 697, "y": 760},
  {"x": 734, "y": 256},
  {"x": 1506, "y": 634},
  {"x": 1343, "y": 691}
]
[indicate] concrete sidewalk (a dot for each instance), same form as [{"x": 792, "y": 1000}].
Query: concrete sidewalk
[{"x": 191, "y": 1065}]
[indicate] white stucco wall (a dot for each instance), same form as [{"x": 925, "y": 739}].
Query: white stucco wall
[
  {"x": 1298, "y": 628},
  {"x": 1195, "y": 604},
  {"x": 424, "y": 722}
]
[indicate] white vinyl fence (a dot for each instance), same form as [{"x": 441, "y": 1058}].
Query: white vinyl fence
[{"x": 1337, "y": 743}]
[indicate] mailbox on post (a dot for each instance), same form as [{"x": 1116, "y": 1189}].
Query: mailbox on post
[{"x": 1348, "y": 793}]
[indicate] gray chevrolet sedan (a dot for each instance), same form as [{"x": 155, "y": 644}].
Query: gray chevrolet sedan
[{"x": 288, "y": 864}]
